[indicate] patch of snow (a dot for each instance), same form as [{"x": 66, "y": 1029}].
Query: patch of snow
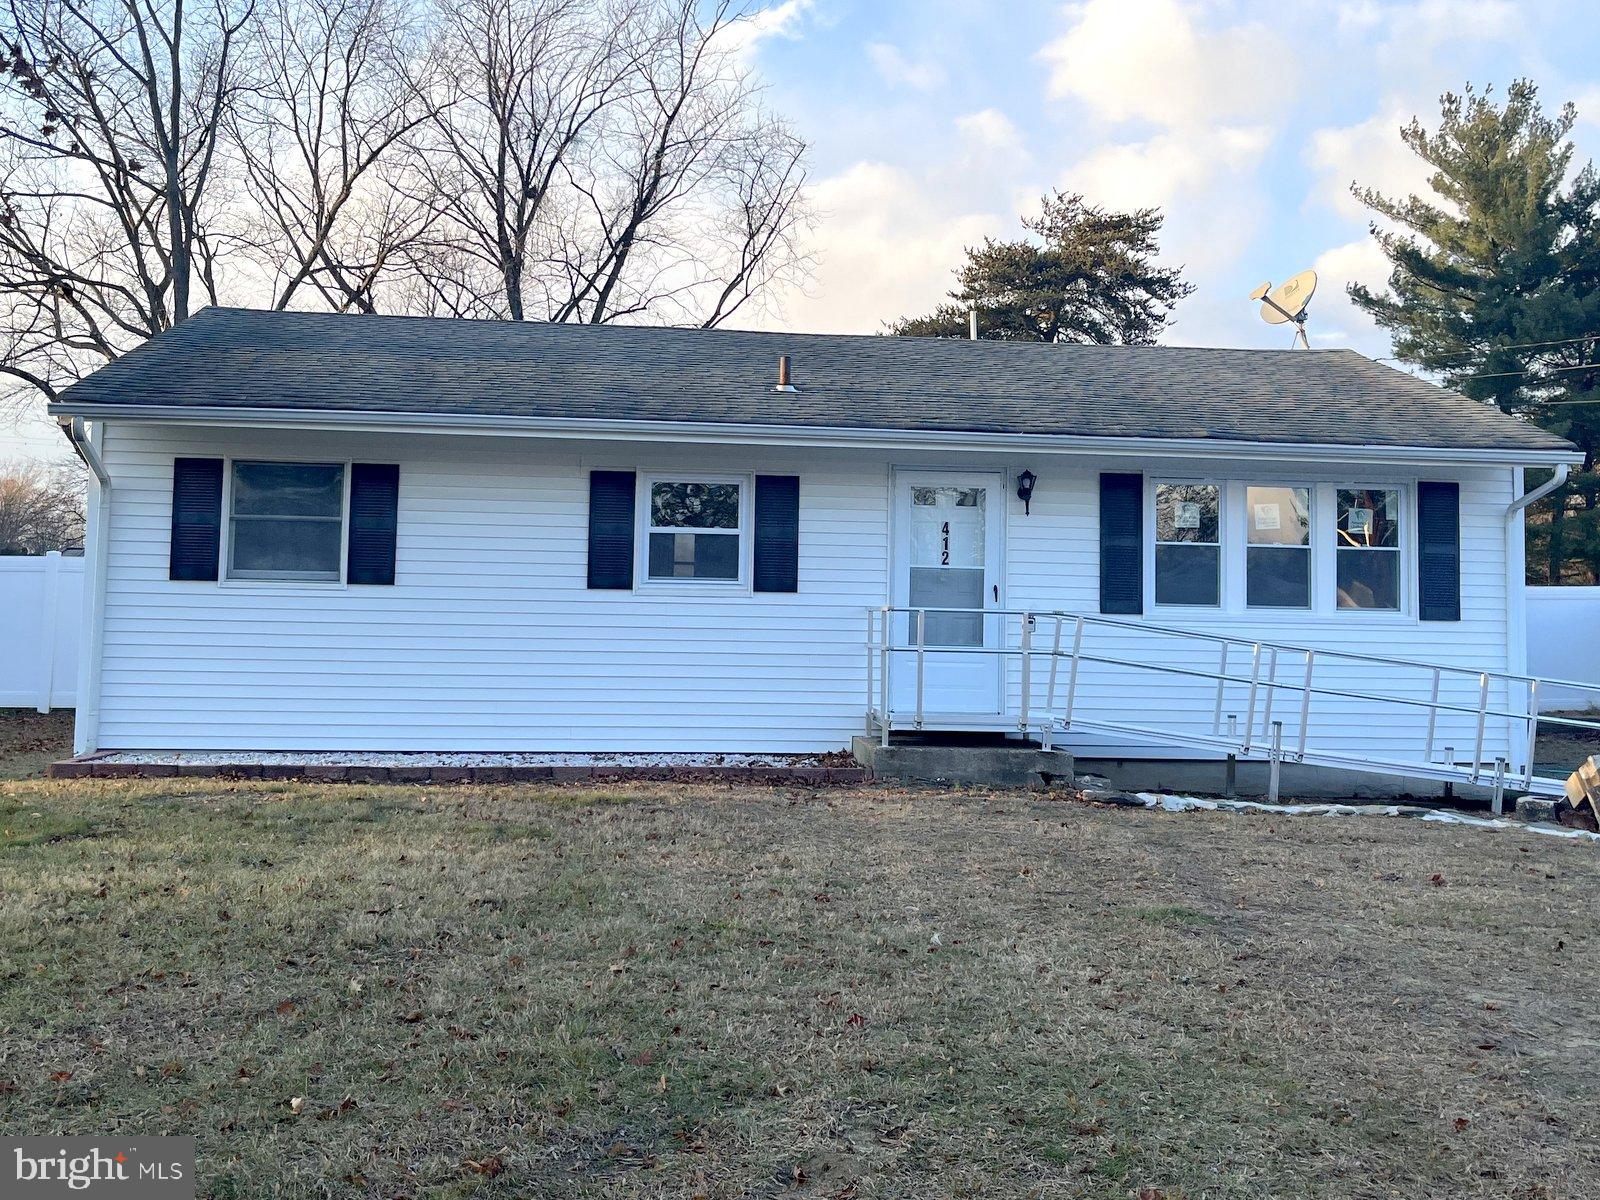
[{"x": 1178, "y": 804}]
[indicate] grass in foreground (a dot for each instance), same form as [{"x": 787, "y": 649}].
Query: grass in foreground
[{"x": 348, "y": 990}]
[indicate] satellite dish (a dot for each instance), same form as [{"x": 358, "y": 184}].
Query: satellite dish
[{"x": 1286, "y": 303}]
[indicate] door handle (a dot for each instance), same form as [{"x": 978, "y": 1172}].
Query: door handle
[{"x": 997, "y": 593}]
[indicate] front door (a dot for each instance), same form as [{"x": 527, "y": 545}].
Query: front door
[{"x": 948, "y": 555}]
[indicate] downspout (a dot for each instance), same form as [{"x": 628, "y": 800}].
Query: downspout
[
  {"x": 1516, "y": 566},
  {"x": 86, "y": 719},
  {"x": 74, "y": 429}
]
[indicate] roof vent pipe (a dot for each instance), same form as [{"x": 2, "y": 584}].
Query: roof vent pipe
[{"x": 783, "y": 375}]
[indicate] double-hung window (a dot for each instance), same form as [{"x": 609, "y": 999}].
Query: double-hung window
[
  {"x": 1277, "y": 547},
  {"x": 1188, "y": 544},
  {"x": 1367, "y": 548},
  {"x": 286, "y": 521},
  {"x": 695, "y": 530}
]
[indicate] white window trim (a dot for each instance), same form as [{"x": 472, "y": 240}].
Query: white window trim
[
  {"x": 225, "y": 577},
  {"x": 643, "y": 582},
  {"x": 1224, "y": 574},
  {"x": 1233, "y": 530},
  {"x": 1405, "y": 547},
  {"x": 1310, "y": 548}
]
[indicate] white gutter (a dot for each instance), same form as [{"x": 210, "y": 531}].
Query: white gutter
[
  {"x": 1540, "y": 492},
  {"x": 593, "y": 429},
  {"x": 79, "y": 437}
]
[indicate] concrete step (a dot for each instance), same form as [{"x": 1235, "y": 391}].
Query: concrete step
[{"x": 991, "y": 763}]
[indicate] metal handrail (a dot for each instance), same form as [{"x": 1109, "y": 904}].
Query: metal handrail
[{"x": 1262, "y": 682}]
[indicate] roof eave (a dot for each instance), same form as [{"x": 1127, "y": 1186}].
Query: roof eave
[{"x": 595, "y": 429}]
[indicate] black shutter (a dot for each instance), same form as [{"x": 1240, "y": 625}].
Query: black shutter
[
  {"x": 1121, "y": 543},
  {"x": 196, "y": 518},
  {"x": 1439, "y": 551},
  {"x": 777, "y": 526},
  {"x": 611, "y": 529},
  {"x": 374, "y": 518}
]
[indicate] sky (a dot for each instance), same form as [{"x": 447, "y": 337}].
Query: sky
[{"x": 935, "y": 123}]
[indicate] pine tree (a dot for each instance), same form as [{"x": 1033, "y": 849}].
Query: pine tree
[
  {"x": 1092, "y": 280},
  {"x": 1495, "y": 287}
]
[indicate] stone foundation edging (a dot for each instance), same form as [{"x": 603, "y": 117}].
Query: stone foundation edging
[{"x": 89, "y": 768}]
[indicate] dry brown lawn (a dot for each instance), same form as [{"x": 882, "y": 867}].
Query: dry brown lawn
[{"x": 739, "y": 992}]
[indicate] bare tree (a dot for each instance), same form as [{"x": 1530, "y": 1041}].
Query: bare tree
[
  {"x": 110, "y": 121},
  {"x": 694, "y": 170},
  {"x": 41, "y": 507},
  {"x": 334, "y": 91},
  {"x": 603, "y": 161},
  {"x": 574, "y": 160}
]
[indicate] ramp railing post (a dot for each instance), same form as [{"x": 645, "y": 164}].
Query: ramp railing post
[
  {"x": 1499, "y": 802},
  {"x": 1483, "y": 716},
  {"x": 1250, "y": 706},
  {"x": 1305, "y": 702},
  {"x": 1072, "y": 673},
  {"x": 1272, "y": 690},
  {"x": 1533, "y": 730},
  {"x": 1277, "y": 759},
  {"x": 922, "y": 645},
  {"x": 1433, "y": 717},
  {"x": 1027, "y": 668},
  {"x": 1055, "y": 661},
  {"x": 1222, "y": 683},
  {"x": 883, "y": 675}
]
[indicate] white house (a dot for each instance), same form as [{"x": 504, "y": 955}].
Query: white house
[{"x": 323, "y": 532}]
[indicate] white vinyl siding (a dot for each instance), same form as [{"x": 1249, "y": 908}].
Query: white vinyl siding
[{"x": 489, "y": 639}]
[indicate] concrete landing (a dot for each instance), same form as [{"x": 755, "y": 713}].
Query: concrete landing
[{"x": 991, "y": 763}]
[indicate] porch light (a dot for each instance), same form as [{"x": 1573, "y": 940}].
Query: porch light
[{"x": 1025, "y": 483}]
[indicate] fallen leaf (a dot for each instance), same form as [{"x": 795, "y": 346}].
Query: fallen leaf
[{"x": 297, "y": 1105}]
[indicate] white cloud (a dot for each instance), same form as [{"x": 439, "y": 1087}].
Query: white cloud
[
  {"x": 1169, "y": 168},
  {"x": 899, "y": 71},
  {"x": 1414, "y": 28},
  {"x": 1151, "y": 60},
  {"x": 744, "y": 37},
  {"x": 988, "y": 139},
  {"x": 887, "y": 247},
  {"x": 1203, "y": 182},
  {"x": 1335, "y": 321},
  {"x": 1588, "y": 102},
  {"x": 890, "y": 238},
  {"x": 1370, "y": 154}
]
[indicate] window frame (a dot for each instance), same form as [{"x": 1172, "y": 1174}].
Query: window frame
[
  {"x": 1234, "y": 534},
  {"x": 1313, "y": 574},
  {"x": 643, "y": 581},
  {"x": 1404, "y": 546},
  {"x": 1225, "y": 587},
  {"x": 225, "y": 575}
]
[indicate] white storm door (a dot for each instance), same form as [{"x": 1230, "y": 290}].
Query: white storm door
[{"x": 948, "y": 556}]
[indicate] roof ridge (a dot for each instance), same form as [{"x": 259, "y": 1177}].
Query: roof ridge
[{"x": 576, "y": 327}]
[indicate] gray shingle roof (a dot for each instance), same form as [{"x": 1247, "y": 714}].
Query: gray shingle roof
[{"x": 241, "y": 358}]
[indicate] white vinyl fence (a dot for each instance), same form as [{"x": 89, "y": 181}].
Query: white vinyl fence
[
  {"x": 1564, "y": 640},
  {"x": 41, "y": 619}
]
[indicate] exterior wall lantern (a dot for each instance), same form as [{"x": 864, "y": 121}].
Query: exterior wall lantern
[{"x": 1025, "y": 483}]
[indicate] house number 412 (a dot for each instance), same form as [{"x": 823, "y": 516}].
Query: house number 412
[{"x": 944, "y": 547}]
